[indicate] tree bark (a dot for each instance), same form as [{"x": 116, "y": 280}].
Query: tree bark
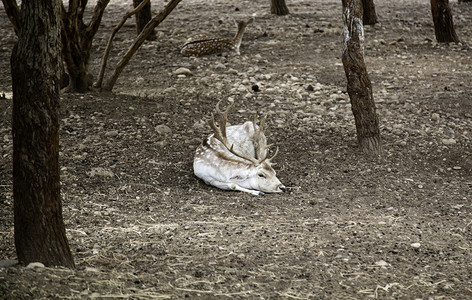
[
  {"x": 143, "y": 17},
  {"x": 278, "y": 7},
  {"x": 369, "y": 15},
  {"x": 138, "y": 42},
  {"x": 359, "y": 86},
  {"x": 36, "y": 68},
  {"x": 103, "y": 65},
  {"x": 443, "y": 22},
  {"x": 13, "y": 13},
  {"x": 77, "y": 39}
]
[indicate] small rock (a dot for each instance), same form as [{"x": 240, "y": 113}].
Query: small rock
[
  {"x": 199, "y": 125},
  {"x": 457, "y": 168},
  {"x": 111, "y": 133},
  {"x": 183, "y": 71},
  {"x": 232, "y": 71},
  {"x": 220, "y": 66},
  {"x": 35, "y": 265},
  {"x": 163, "y": 129},
  {"x": 435, "y": 117},
  {"x": 93, "y": 270},
  {"x": 99, "y": 171},
  {"x": 310, "y": 88},
  {"x": 8, "y": 263},
  {"x": 415, "y": 245},
  {"x": 170, "y": 90},
  {"x": 381, "y": 263},
  {"x": 448, "y": 142}
]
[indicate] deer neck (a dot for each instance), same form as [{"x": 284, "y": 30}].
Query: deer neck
[{"x": 239, "y": 35}]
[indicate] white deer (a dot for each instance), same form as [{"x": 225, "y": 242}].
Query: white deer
[
  {"x": 200, "y": 45},
  {"x": 235, "y": 157}
]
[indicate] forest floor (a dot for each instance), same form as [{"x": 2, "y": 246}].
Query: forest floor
[{"x": 351, "y": 226}]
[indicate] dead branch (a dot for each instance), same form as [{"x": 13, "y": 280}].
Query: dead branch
[
  {"x": 96, "y": 18},
  {"x": 13, "y": 13},
  {"x": 139, "y": 41},
  {"x": 98, "y": 84}
]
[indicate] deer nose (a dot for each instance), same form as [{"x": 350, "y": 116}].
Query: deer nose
[{"x": 282, "y": 188}]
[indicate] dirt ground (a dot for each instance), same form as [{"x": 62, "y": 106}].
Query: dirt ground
[{"x": 142, "y": 226}]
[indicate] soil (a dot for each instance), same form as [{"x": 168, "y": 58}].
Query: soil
[{"x": 351, "y": 226}]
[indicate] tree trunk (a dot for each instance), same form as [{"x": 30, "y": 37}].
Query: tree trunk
[
  {"x": 13, "y": 13},
  {"x": 278, "y": 7},
  {"x": 443, "y": 23},
  {"x": 77, "y": 40},
  {"x": 36, "y": 68},
  {"x": 369, "y": 15},
  {"x": 143, "y": 17},
  {"x": 358, "y": 83}
]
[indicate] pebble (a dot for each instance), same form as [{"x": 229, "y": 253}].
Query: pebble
[
  {"x": 448, "y": 142},
  {"x": 34, "y": 265},
  {"x": 435, "y": 117},
  {"x": 8, "y": 263},
  {"x": 99, "y": 171},
  {"x": 111, "y": 133},
  {"x": 163, "y": 129},
  {"x": 170, "y": 90},
  {"x": 415, "y": 245},
  {"x": 220, "y": 66},
  {"x": 381, "y": 263},
  {"x": 93, "y": 270},
  {"x": 183, "y": 71}
]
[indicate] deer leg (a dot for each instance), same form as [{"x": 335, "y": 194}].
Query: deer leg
[{"x": 233, "y": 186}]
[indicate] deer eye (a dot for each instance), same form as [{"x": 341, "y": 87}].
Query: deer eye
[{"x": 261, "y": 175}]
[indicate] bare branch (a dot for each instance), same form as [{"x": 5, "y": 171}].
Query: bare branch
[
  {"x": 139, "y": 41},
  {"x": 96, "y": 18},
  {"x": 13, "y": 13},
  {"x": 98, "y": 84}
]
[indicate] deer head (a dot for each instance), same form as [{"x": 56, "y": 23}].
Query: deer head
[{"x": 236, "y": 157}]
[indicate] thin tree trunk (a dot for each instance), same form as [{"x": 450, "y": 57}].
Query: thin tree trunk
[
  {"x": 99, "y": 82},
  {"x": 369, "y": 15},
  {"x": 13, "y": 13},
  {"x": 143, "y": 17},
  {"x": 443, "y": 22},
  {"x": 278, "y": 7},
  {"x": 36, "y": 68},
  {"x": 138, "y": 42},
  {"x": 358, "y": 83},
  {"x": 77, "y": 39}
]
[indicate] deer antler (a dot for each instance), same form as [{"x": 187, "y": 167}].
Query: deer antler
[
  {"x": 220, "y": 133},
  {"x": 260, "y": 143},
  {"x": 258, "y": 139}
]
